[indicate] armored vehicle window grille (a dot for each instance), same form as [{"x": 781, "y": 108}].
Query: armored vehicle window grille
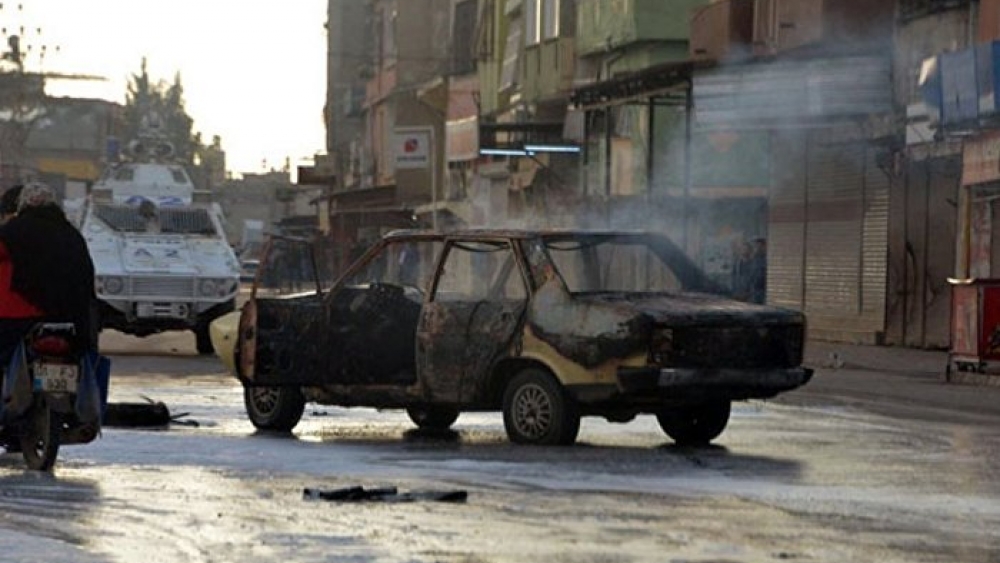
[
  {"x": 121, "y": 218},
  {"x": 189, "y": 221}
]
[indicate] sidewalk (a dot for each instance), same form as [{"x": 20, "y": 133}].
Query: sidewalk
[
  {"x": 894, "y": 359},
  {"x": 897, "y": 381}
]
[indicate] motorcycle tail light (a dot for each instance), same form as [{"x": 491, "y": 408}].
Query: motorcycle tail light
[{"x": 50, "y": 346}]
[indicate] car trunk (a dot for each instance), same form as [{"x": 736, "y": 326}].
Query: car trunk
[{"x": 694, "y": 330}]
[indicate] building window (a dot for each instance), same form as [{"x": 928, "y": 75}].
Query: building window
[
  {"x": 511, "y": 56},
  {"x": 389, "y": 36},
  {"x": 550, "y": 19},
  {"x": 463, "y": 33},
  {"x": 541, "y": 20},
  {"x": 532, "y": 22},
  {"x": 385, "y": 37},
  {"x": 910, "y": 9},
  {"x": 379, "y": 40}
]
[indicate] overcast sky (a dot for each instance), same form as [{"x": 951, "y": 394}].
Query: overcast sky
[{"x": 253, "y": 70}]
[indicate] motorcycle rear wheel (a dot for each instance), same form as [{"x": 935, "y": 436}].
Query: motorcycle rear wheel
[{"x": 40, "y": 438}]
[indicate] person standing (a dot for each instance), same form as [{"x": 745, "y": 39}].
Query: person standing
[{"x": 741, "y": 275}]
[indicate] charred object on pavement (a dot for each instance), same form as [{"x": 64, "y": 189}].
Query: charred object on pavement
[
  {"x": 148, "y": 414},
  {"x": 383, "y": 494}
]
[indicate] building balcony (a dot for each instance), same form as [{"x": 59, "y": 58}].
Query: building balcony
[
  {"x": 628, "y": 22},
  {"x": 722, "y": 31},
  {"x": 547, "y": 69},
  {"x": 853, "y": 25}
]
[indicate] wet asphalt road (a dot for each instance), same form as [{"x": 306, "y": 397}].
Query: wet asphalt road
[{"x": 812, "y": 477}]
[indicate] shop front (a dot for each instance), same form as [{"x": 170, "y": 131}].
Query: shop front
[{"x": 975, "y": 311}]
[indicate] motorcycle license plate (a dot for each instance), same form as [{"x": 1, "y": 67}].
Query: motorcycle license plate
[{"x": 56, "y": 378}]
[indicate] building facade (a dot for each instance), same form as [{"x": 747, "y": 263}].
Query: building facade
[{"x": 807, "y": 124}]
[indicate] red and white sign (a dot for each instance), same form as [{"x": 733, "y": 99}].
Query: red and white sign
[{"x": 412, "y": 147}]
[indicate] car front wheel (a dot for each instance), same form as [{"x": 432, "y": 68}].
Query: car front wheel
[
  {"x": 695, "y": 425},
  {"x": 536, "y": 410},
  {"x": 433, "y": 418},
  {"x": 274, "y": 408}
]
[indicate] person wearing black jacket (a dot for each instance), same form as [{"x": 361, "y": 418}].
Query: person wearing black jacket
[{"x": 50, "y": 269}]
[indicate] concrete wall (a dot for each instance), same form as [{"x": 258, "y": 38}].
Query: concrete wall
[{"x": 261, "y": 197}]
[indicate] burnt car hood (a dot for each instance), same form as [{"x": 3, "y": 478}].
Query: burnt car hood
[{"x": 692, "y": 309}]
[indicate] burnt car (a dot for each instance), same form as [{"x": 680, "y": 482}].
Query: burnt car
[{"x": 545, "y": 326}]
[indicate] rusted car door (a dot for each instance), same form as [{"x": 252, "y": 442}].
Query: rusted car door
[
  {"x": 476, "y": 307},
  {"x": 372, "y": 316},
  {"x": 284, "y": 312}
]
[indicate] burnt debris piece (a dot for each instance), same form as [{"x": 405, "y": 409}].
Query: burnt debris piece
[
  {"x": 148, "y": 414},
  {"x": 382, "y": 494},
  {"x": 133, "y": 415}
]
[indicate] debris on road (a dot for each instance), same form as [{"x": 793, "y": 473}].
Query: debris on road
[
  {"x": 148, "y": 414},
  {"x": 382, "y": 494},
  {"x": 132, "y": 415}
]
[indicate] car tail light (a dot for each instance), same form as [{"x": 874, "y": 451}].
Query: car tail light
[{"x": 50, "y": 346}]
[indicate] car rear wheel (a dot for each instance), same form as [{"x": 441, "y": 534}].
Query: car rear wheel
[
  {"x": 536, "y": 410},
  {"x": 274, "y": 408},
  {"x": 433, "y": 418},
  {"x": 695, "y": 425}
]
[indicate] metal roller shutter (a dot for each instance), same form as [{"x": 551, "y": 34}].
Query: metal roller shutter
[
  {"x": 847, "y": 239},
  {"x": 875, "y": 245},
  {"x": 786, "y": 223},
  {"x": 834, "y": 189}
]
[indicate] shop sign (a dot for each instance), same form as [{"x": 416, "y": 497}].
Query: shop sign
[{"x": 412, "y": 147}]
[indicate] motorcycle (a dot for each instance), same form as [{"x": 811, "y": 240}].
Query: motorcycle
[{"x": 51, "y": 395}]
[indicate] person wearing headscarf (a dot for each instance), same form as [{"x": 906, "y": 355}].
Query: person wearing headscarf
[
  {"x": 46, "y": 273},
  {"x": 8, "y": 203}
]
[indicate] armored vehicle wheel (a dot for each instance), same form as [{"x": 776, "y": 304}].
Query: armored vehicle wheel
[
  {"x": 40, "y": 438},
  {"x": 695, "y": 425},
  {"x": 274, "y": 408},
  {"x": 433, "y": 418},
  {"x": 203, "y": 339},
  {"x": 536, "y": 410}
]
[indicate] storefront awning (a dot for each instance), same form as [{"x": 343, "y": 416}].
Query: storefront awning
[{"x": 655, "y": 81}]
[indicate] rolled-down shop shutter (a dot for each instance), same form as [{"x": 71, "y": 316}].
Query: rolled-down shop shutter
[
  {"x": 875, "y": 244},
  {"x": 786, "y": 223},
  {"x": 828, "y": 237},
  {"x": 835, "y": 184},
  {"x": 846, "y": 240}
]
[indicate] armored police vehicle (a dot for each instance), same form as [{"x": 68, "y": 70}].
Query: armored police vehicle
[{"x": 161, "y": 256}]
